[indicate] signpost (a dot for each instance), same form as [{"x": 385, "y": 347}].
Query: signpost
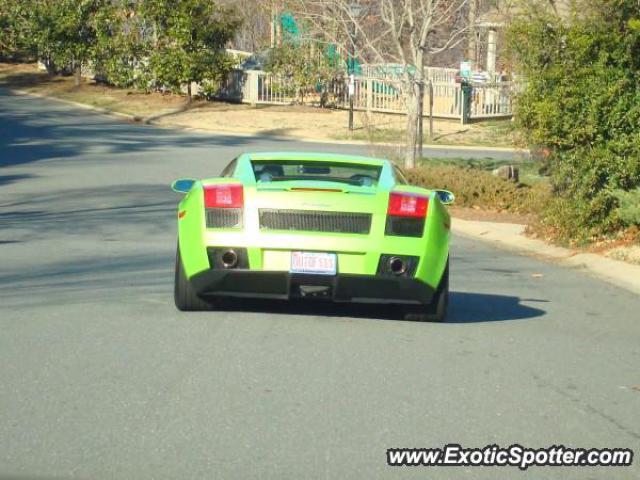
[{"x": 351, "y": 92}]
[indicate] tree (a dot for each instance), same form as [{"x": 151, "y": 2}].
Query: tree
[
  {"x": 189, "y": 37},
  {"x": 404, "y": 32},
  {"x": 62, "y": 32},
  {"x": 123, "y": 44},
  {"x": 254, "y": 32},
  {"x": 306, "y": 65},
  {"x": 12, "y": 26}
]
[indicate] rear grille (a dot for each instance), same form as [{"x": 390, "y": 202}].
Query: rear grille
[
  {"x": 315, "y": 221},
  {"x": 224, "y": 217}
]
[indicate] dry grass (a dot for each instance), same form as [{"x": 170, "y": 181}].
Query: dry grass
[
  {"x": 28, "y": 78},
  {"x": 381, "y": 128}
]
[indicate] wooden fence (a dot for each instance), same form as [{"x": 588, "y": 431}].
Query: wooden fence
[{"x": 490, "y": 100}]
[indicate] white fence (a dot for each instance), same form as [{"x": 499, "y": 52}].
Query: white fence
[
  {"x": 490, "y": 100},
  {"x": 392, "y": 71}
]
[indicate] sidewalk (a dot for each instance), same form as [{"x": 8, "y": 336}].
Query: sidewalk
[{"x": 511, "y": 237}]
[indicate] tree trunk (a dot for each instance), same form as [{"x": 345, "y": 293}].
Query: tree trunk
[
  {"x": 413, "y": 110},
  {"x": 420, "y": 118},
  {"x": 78, "y": 75},
  {"x": 189, "y": 92},
  {"x": 49, "y": 65}
]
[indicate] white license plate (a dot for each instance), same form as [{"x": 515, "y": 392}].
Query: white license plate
[{"x": 312, "y": 262}]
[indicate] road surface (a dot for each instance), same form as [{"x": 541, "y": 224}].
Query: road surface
[{"x": 101, "y": 378}]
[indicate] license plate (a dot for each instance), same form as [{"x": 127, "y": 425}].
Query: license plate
[{"x": 312, "y": 262}]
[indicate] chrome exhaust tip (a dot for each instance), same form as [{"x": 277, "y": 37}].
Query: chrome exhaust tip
[
  {"x": 229, "y": 259},
  {"x": 397, "y": 266}
]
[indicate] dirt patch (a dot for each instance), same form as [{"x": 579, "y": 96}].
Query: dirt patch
[{"x": 28, "y": 78}]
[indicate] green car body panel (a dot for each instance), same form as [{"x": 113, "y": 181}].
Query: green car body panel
[{"x": 270, "y": 250}]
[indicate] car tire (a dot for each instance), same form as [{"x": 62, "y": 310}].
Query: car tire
[
  {"x": 436, "y": 311},
  {"x": 185, "y": 297}
]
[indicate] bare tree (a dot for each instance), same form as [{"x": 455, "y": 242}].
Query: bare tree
[
  {"x": 404, "y": 32},
  {"x": 256, "y": 15}
]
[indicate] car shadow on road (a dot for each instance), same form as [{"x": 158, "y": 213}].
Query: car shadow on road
[{"x": 464, "y": 307}]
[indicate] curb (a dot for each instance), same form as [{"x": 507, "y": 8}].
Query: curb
[
  {"x": 511, "y": 236},
  {"x": 84, "y": 106},
  {"x": 505, "y": 235},
  {"x": 151, "y": 120}
]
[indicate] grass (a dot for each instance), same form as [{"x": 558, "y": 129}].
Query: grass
[{"x": 490, "y": 133}]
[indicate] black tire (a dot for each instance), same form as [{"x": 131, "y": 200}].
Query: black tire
[
  {"x": 436, "y": 311},
  {"x": 185, "y": 297}
]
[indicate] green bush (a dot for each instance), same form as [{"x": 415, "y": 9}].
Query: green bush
[
  {"x": 477, "y": 188},
  {"x": 629, "y": 206},
  {"x": 581, "y": 104}
]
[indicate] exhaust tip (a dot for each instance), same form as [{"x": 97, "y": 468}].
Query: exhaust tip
[
  {"x": 229, "y": 259},
  {"x": 397, "y": 266}
]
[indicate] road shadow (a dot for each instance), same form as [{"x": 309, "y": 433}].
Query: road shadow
[
  {"x": 33, "y": 130},
  {"x": 110, "y": 211},
  {"x": 464, "y": 308},
  {"x": 7, "y": 179}
]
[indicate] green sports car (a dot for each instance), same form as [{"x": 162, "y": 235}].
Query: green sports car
[{"x": 313, "y": 226}]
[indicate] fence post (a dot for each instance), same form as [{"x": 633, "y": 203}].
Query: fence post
[
  {"x": 466, "y": 103},
  {"x": 252, "y": 87},
  {"x": 430, "y": 111}
]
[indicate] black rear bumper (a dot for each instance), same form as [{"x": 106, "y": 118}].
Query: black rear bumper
[{"x": 337, "y": 288}]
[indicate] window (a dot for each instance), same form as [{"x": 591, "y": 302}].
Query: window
[{"x": 283, "y": 170}]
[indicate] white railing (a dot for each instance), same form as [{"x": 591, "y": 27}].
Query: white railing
[
  {"x": 492, "y": 100},
  {"x": 393, "y": 71},
  {"x": 371, "y": 94}
]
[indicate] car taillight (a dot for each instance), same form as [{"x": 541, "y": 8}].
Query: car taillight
[
  {"x": 406, "y": 215},
  {"x": 407, "y": 205},
  {"x": 223, "y": 196}
]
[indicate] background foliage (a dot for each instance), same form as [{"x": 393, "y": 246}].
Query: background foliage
[
  {"x": 308, "y": 67},
  {"x": 151, "y": 44}
]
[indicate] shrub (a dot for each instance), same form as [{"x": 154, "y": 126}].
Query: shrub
[
  {"x": 629, "y": 206},
  {"x": 581, "y": 105},
  {"x": 477, "y": 188}
]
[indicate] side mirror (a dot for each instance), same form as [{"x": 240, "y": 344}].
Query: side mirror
[
  {"x": 183, "y": 185},
  {"x": 445, "y": 196}
]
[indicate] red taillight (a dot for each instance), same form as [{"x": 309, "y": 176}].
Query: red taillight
[
  {"x": 223, "y": 196},
  {"x": 407, "y": 205}
]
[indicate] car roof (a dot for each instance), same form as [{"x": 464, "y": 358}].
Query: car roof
[{"x": 318, "y": 157}]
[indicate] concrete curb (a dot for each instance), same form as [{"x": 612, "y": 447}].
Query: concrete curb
[
  {"x": 152, "y": 120},
  {"x": 84, "y": 106},
  {"x": 511, "y": 237}
]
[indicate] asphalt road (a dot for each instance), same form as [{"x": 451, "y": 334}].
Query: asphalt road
[{"x": 101, "y": 378}]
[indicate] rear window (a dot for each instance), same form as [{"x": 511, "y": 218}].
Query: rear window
[{"x": 283, "y": 170}]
